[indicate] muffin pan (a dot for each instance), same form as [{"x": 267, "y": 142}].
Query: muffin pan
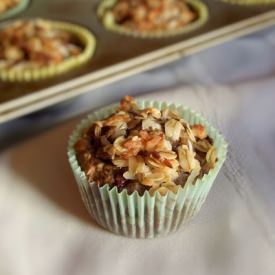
[{"x": 118, "y": 56}]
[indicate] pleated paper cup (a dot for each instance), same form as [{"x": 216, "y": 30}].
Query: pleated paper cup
[
  {"x": 15, "y": 10},
  {"x": 85, "y": 37},
  {"x": 110, "y": 24},
  {"x": 145, "y": 216}
]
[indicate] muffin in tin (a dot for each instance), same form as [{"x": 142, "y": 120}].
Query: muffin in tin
[
  {"x": 152, "y": 18},
  {"x": 34, "y": 49},
  {"x": 10, "y": 8},
  {"x": 142, "y": 168}
]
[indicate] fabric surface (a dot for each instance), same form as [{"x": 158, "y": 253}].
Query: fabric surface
[{"x": 45, "y": 229}]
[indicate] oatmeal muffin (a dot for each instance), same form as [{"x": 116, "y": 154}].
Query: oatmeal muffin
[
  {"x": 9, "y": 8},
  {"x": 152, "y": 18},
  {"x": 39, "y": 48},
  {"x": 145, "y": 168}
]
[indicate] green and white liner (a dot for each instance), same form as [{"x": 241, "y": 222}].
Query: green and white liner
[
  {"x": 145, "y": 216},
  {"x": 109, "y": 22}
]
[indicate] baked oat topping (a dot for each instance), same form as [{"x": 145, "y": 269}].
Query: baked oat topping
[
  {"x": 152, "y": 15},
  {"x": 31, "y": 44},
  {"x": 6, "y": 5},
  {"x": 145, "y": 149}
]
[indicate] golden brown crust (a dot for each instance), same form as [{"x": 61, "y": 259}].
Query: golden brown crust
[
  {"x": 31, "y": 44},
  {"x": 175, "y": 17},
  {"x": 152, "y": 15},
  {"x": 159, "y": 151}
]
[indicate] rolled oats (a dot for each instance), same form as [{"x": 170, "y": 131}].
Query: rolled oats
[
  {"x": 34, "y": 44},
  {"x": 152, "y": 15},
  {"x": 187, "y": 159},
  {"x": 145, "y": 149},
  {"x": 173, "y": 129},
  {"x": 149, "y": 123},
  {"x": 199, "y": 131}
]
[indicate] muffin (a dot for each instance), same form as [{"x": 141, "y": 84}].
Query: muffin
[
  {"x": 152, "y": 18},
  {"x": 9, "y": 8},
  {"x": 36, "y": 49},
  {"x": 145, "y": 168}
]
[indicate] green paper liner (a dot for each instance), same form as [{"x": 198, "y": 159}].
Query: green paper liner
[
  {"x": 145, "y": 216},
  {"x": 15, "y": 10},
  {"x": 109, "y": 23},
  {"x": 250, "y": 2},
  {"x": 85, "y": 37}
]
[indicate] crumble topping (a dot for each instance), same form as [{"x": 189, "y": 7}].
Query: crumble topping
[
  {"x": 145, "y": 149},
  {"x": 31, "y": 44},
  {"x": 152, "y": 15}
]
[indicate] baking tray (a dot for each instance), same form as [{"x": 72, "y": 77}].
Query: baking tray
[{"x": 118, "y": 56}]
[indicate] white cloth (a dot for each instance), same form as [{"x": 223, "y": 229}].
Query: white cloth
[{"x": 45, "y": 229}]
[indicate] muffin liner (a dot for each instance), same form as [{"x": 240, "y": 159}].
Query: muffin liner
[
  {"x": 250, "y": 2},
  {"x": 84, "y": 36},
  {"x": 109, "y": 23},
  {"x": 15, "y": 10},
  {"x": 145, "y": 216}
]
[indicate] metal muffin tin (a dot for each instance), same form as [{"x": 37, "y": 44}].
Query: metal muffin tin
[{"x": 118, "y": 56}]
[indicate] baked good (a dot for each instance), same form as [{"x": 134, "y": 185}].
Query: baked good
[
  {"x": 152, "y": 18},
  {"x": 39, "y": 48},
  {"x": 145, "y": 149},
  {"x": 145, "y": 168}
]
